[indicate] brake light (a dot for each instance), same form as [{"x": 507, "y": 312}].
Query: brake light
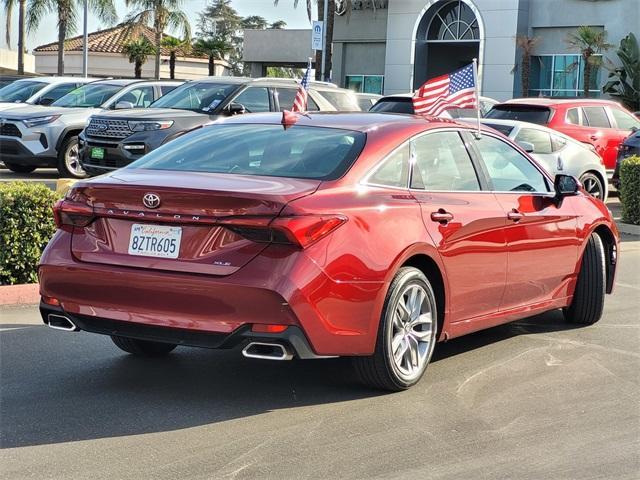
[
  {"x": 73, "y": 214},
  {"x": 268, "y": 328}
]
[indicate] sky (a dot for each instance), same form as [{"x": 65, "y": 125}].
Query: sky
[{"x": 295, "y": 18}]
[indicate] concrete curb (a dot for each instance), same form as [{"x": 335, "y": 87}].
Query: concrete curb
[
  {"x": 628, "y": 228},
  {"x": 23, "y": 294}
]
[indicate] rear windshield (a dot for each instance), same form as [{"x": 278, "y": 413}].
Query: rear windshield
[
  {"x": 395, "y": 105},
  {"x": 91, "y": 95},
  {"x": 342, "y": 100},
  {"x": 201, "y": 97},
  {"x": 253, "y": 149},
  {"x": 20, "y": 91},
  {"x": 503, "y": 129},
  {"x": 523, "y": 113}
]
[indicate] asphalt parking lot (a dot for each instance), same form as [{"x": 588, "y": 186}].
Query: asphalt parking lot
[
  {"x": 48, "y": 176},
  {"x": 535, "y": 399}
]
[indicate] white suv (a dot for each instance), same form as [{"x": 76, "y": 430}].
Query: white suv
[
  {"x": 38, "y": 90},
  {"x": 37, "y": 136}
]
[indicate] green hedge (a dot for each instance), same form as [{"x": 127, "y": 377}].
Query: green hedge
[
  {"x": 630, "y": 190},
  {"x": 26, "y": 225}
]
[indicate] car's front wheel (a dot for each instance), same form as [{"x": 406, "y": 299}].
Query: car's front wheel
[
  {"x": 406, "y": 335},
  {"x": 69, "y": 159},
  {"x": 593, "y": 185},
  {"x": 143, "y": 348},
  {"x": 15, "y": 168}
]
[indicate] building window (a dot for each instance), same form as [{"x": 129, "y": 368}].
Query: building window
[
  {"x": 365, "y": 83},
  {"x": 561, "y": 76},
  {"x": 455, "y": 21}
]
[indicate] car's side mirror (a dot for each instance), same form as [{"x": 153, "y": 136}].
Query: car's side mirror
[
  {"x": 526, "y": 146},
  {"x": 46, "y": 101},
  {"x": 122, "y": 105},
  {"x": 564, "y": 186},
  {"x": 235, "y": 109}
]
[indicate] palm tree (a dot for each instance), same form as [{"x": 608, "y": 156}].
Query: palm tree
[
  {"x": 527, "y": 45},
  {"x": 160, "y": 15},
  {"x": 590, "y": 42},
  {"x": 67, "y": 15},
  {"x": 278, "y": 25},
  {"x": 175, "y": 47},
  {"x": 138, "y": 50},
  {"x": 213, "y": 48},
  {"x": 9, "y": 5}
]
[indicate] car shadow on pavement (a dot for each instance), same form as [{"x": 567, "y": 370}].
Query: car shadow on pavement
[{"x": 59, "y": 387}]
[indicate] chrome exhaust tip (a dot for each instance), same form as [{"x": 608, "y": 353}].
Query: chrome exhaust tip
[
  {"x": 60, "y": 322},
  {"x": 267, "y": 351}
]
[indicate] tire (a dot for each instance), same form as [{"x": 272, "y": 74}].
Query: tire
[
  {"x": 593, "y": 185},
  {"x": 69, "y": 159},
  {"x": 383, "y": 370},
  {"x": 14, "y": 167},
  {"x": 142, "y": 348},
  {"x": 588, "y": 298}
]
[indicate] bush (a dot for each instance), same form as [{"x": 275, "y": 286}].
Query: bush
[
  {"x": 630, "y": 190},
  {"x": 26, "y": 225}
]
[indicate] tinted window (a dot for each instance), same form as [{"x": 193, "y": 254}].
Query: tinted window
[
  {"x": 286, "y": 96},
  {"x": 253, "y": 149},
  {"x": 596, "y": 117},
  {"x": 20, "y": 91},
  {"x": 140, "y": 97},
  {"x": 508, "y": 169},
  {"x": 393, "y": 105},
  {"x": 541, "y": 140},
  {"x": 164, "y": 89},
  {"x": 342, "y": 100},
  {"x": 573, "y": 116},
  {"x": 197, "y": 96},
  {"x": 443, "y": 163},
  {"x": 394, "y": 172},
  {"x": 624, "y": 120},
  {"x": 254, "y": 99},
  {"x": 89, "y": 95},
  {"x": 523, "y": 113},
  {"x": 503, "y": 129},
  {"x": 58, "y": 91}
]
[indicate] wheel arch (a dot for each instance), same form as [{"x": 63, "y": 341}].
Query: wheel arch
[
  {"x": 611, "y": 252},
  {"x": 66, "y": 133}
]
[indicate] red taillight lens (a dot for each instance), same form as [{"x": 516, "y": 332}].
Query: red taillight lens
[
  {"x": 74, "y": 214},
  {"x": 268, "y": 328},
  {"x": 51, "y": 301}
]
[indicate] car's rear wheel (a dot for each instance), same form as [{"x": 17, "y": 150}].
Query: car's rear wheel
[
  {"x": 593, "y": 185},
  {"x": 14, "y": 167},
  {"x": 406, "y": 335},
  {"x": 143, "y": 348},
  {"x": 69, "y": 165},
  {"x": 588, "y": 299}
]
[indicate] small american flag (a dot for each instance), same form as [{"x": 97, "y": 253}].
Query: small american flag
[
  {"x": 300, "y": 102},
  {"x": 455, "y": 90}
]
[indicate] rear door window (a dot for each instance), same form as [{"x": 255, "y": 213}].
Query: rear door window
[
  {"x": 596, "y": 117},
  {"x": 394, "y": 170},
  {"x": 254, "y": 99},
  {"x": 164, "y": 89},
  {"x": 140, "y": 97},
  {"x": 59, "y": 91},
  {"x": 541, "y": 140}
]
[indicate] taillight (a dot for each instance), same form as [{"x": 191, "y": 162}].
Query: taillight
[{"x": 73, "y": 214}]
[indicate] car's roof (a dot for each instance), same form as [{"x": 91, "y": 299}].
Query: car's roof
[
  {"x": 550, "y": 102},
  {"x": 259, "y": 81},
  {"x": 129, "y": 81}
]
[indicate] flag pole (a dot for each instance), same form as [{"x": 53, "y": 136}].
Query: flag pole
[{"x": 477, "y": 83}]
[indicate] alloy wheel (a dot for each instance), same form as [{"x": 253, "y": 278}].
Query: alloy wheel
[
  {"x": 592, "y": 185},
  {"x": 72, "y": 161}
]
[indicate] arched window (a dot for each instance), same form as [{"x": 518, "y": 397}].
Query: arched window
[{"x": 454, "y": 21}]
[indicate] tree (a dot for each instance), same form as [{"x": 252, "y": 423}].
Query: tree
[
  {"x": 9, "y": 5},
  {"x": 175, "y": 47},
  {"x": 278, "y": 25},
  {"x": 138, "y": 50},
  {"x": 214, "y": 49},
  {"x": 527, "y": 46},
  {"x": 591, "y": 43},
  {"x": 624, "y": 82},
  {"x": 67, "y": 17},
  {"x": 254, "y": 22},
  {"x": 160, "y": 15}
]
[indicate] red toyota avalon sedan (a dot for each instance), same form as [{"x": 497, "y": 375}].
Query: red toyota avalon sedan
[{"x": 366, "y": 235}]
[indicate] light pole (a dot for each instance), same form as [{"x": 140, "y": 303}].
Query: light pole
[
  {"x": 324, "y": 38},
  {"x": 85, "y": 36}
]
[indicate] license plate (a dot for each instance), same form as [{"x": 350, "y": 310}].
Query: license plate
[
  {"x": 97, "y": 152},
  {"x": 155, "y": 241}
]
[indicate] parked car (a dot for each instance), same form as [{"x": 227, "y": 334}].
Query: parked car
[
  {"x": 367, "y": 100},
  {"x": 601, "y": 123},
  {"x": 557, "y": 153},
  {"x": 8, "y": 79},
  {"x": 115, "y": 139},
  {"x": 36, "y": 136},
  {"x": 403, "y": 103},
  {"x": 629, "y": 148},
  {"x": 38, "y": 91},
  {"x": 363, "y": 235}
]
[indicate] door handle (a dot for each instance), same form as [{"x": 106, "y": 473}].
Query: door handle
[
  {"x": 593, "y": 137},
  {"x": 515, "y": 215},
  {"x": 441, "y": 216}
]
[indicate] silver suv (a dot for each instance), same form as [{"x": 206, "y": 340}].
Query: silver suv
[
  {"x": 38, "y": 90},
  {"x": 37, "y": 136}
]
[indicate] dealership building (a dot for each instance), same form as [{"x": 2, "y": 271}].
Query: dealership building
[{"x": 400, "y": 44}]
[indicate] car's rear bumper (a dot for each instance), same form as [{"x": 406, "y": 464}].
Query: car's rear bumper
[{"x": 275, "y": 288}]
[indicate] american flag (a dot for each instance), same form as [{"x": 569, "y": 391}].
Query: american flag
[
  {"x": 300, "y": 102},
  {"x": 455, "y": 90}
]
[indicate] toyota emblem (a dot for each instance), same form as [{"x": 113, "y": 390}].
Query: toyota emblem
[{"x": 151, "y": 200}]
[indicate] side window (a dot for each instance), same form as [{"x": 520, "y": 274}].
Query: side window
[
  {"x": 541, "y": 140},
  {"x": 573, "y": 116},
  {"x": 286, "y": 96},
  {"x": 254, "y": 99},
  {"x": 508, "y": 170},
  {"x": 140, "y": 97},
  {"x": 557, "y": 143},
  {"x": 394, "y": 172},
  {"x": 164, "y": 89},
  {"x": 596, "y": 117},
  {"x": 442, "y": 163},
  {"x": 59, "y": 91},
  {"x": 624, "y": 120}
]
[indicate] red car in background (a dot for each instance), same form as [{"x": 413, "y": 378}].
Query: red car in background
[
  {"x": 365, "y": 235},
  {"x": 601, "y": 123}
]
